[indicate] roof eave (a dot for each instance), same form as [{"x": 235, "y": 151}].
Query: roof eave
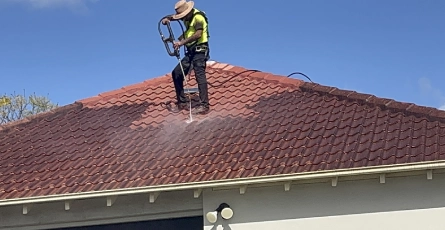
[{"x": 231, "y": 182}]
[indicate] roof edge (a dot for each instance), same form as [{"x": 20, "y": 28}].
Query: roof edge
[
  {"x": 39, "y": 116},
  {"x": 124, "y": 89},
  {"x": 406, "y": 108},
  {"x": 232, "y": 182}
]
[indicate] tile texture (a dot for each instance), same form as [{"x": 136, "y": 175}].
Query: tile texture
[{"x": 260, "y": 124}]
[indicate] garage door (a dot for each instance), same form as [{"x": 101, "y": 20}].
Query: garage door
[{"x": 189, "y": 223}]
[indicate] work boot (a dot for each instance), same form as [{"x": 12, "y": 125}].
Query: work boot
[
  {"x": 200, "y": 109},
  {"x": 178, "y": 107}
]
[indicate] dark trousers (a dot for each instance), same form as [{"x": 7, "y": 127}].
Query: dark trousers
[{"x": 197, "y": 61}]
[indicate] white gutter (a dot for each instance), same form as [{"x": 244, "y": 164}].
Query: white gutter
[{"x": 230, "y": 183}]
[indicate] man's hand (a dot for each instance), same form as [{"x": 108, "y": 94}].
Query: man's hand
[
  {"x": 165, "y": 21},
  {"x": 176, "y": 45}
]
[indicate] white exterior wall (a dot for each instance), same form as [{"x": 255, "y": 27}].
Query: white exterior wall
[
  {"x": 95, "y": 211},
  {"x": 401, "y": 203}
]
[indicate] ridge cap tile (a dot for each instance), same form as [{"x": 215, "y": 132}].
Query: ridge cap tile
[
  {"x": 131, "y": 87},
  {"x": 111, "y": 93},
  {"x": 220, "y": 65},
  {"x": 89, "y": 100}
]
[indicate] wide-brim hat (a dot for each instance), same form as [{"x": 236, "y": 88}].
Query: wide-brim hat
[{"x": 182, "y": 8}]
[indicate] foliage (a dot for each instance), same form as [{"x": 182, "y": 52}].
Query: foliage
[{"x": 18, "y": 106}]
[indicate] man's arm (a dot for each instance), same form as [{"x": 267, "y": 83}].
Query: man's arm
[{"x": 168, "y": 18}]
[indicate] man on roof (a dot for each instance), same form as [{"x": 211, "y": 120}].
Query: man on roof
[{"x": 195, "y": 39}]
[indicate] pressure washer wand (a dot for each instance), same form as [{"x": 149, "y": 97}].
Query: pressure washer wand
[
  {"x": 169, "y": 39},
  {"x": 175, "y": 52}
]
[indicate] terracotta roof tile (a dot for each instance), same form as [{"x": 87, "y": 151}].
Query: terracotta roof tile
[{"x": 260, "y": 124}]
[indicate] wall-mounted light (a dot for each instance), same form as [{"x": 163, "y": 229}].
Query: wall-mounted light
[{"x": 224, "y": 209}]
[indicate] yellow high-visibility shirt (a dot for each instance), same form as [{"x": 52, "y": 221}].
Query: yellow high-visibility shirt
[{"x": 191, "y": 28}]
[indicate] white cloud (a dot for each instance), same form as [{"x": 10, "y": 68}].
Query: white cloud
[
  {"x": 427, "y": 88},
  {"x": 76, "y": 5}
]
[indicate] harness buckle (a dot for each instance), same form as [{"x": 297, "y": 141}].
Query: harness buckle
[{"x": 200, "y": 48}]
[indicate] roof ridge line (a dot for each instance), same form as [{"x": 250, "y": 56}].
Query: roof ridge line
[
  {"x": 407, "y": 108},
  {"x": 127, "y": 88},
  {"x": 259, "y": 75},
  {"x": 212, "y": 64},
  {"x": 35, "y": 117},
  {"x": 123, "y": 89}
]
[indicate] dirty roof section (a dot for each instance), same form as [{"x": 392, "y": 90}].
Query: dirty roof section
[{"x": 260, "y": 124}]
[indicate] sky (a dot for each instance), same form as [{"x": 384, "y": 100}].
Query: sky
[{"x": 74, "y": 49}]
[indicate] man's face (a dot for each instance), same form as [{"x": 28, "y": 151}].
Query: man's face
[{"x": 188, "y": 16}]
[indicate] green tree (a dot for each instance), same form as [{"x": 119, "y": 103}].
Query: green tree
[{"x": 18, "y": 106}]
